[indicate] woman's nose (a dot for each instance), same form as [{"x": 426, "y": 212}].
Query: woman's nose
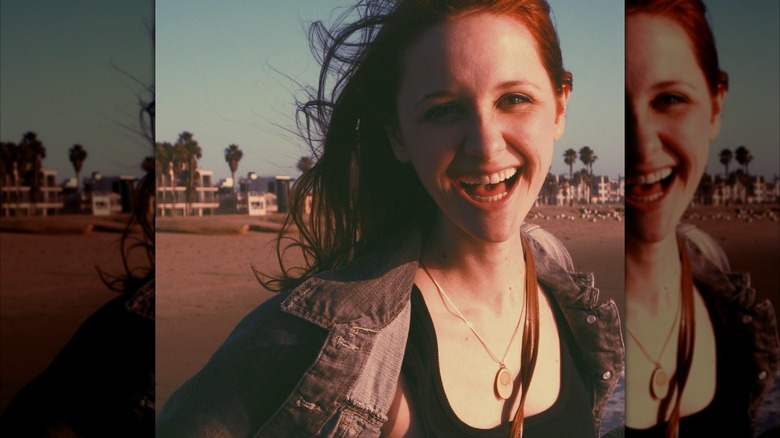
[
  {"x": 485, "y": 137},
  {"x": 641, "y": 136}
]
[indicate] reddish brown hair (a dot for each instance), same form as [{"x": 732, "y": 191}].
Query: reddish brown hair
[
  {"x": 361, "y": 195},
  {"x": 691, "y": 15}
]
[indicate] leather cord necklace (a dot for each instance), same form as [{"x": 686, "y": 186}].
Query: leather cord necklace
[
  {"x": 685, "y": 344},
  {"x": 504, "y": 381},
  {"x": 659, "y": 379}
]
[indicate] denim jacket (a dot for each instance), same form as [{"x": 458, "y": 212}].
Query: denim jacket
[
  {"x": 358, "y": 319},
  {"x": 751, "y": 324}
]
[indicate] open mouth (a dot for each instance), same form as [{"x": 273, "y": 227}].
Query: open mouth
[
  {"x": 489, "y": 188},
  {"x": 649, "y": 187}
]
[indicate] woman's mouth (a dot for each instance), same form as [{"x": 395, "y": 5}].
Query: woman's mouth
[
  {"x": 649, "y": 187},
  {"x": 489, "y": 187}
]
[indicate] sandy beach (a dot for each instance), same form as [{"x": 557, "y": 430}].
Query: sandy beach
[
  {"x": 205, "y": 283},
  {"x": 48, "y": 286}
]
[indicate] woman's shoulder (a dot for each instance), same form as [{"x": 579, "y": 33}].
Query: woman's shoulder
[
  {"x": 704, "y": 246},
  {"x": 551, "y": 245}
]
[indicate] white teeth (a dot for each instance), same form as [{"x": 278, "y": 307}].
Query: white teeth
[
  {"x": 494, "y": 198},
  {"x": 648, "y": 198},
  {"x": 493, "y": 178},
  {"x": 650, "y": 178}
]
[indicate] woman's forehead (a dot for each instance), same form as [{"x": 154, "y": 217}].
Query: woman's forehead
[{"x": 474, "y": 50}]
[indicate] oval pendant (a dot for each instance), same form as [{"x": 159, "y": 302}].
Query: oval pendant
[
  {"x": 659, "y": 383},
  {"x": 504, "y": 383}
]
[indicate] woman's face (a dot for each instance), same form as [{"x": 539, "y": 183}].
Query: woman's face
[
  {"x": 671, "y": 117},
  {"x": 477, "y": 117}
]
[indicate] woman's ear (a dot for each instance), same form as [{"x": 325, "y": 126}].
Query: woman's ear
[
  {"x": 397, "y": 143},
  {"x": 717, "y": 111},
  {"x": 560, "y": 117}
]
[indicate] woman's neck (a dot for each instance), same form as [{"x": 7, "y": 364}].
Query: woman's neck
[
  {"x": 491, "y": 273},
  {"x": 652, "y": 275}
]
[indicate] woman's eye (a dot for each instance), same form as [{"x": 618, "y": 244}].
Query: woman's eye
[
  {"x": 442, "y": 113},
  {"x": 514, "y": 99},
  {"x": 668, "y": 100}
]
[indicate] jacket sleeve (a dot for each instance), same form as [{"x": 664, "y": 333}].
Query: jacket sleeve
[
  {"x": 708, "y": 246},
  {"x": 247, "y": 379},
  {"x": 551, "y": 244}
]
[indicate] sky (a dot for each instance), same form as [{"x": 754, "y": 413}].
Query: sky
[
  {"x": 747, "y": 35},
  {"x": 229, "y": 72},
  {"x": 68, "y": 72}
]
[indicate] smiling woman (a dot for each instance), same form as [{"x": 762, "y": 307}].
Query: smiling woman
[
  {"x": 427, "y": 306},
  {"x": 718, "y": 348}
]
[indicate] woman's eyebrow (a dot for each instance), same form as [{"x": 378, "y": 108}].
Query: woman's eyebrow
[
  {"x": 434, "y": 95},
  {"x": 516, "y": 83},
  {"x": 672, "y": 83}
]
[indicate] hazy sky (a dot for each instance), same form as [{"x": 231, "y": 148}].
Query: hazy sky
[
  {"x": 747, "y": 35},
  {"x": 227, "y": 72},
  {"x": 57, "y": 79}
]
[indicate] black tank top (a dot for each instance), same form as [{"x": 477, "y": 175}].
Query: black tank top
[
  {"x": 728, "y": 414},
  {"x": 569, "y": 416}
]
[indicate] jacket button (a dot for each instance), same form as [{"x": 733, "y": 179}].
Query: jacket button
[
  {"x": 606, "y": 375},
  {"x": 762, "y": 375},
  {"x": 590, "y": 319},
  {"x": 747, "y": 319}
]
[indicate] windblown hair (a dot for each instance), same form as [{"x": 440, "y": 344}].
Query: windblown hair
[
  {"x": 142, "y": 216},
  {"x": 360, "y": 194},
  {"x": 691, "y": 15}
]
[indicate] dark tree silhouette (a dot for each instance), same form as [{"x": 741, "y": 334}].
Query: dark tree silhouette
[
  {"x": 77, "y": 154},
  {"x": 304, "y": 164},
  {"x": 725, "y": 159},
  {"x": 188, "y": 152},
  {"x": 588, "y": 157},
  {"x": 233, "y": 155},
  {"x": 744, "y": 157},
  {"x": 33, "y": 153}
]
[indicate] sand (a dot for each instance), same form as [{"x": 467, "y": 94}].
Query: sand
[
  {"x": 48, "y": 287},
  {"x": 205, "y": 283}
]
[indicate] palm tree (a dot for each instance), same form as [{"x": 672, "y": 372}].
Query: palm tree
[
  {"x": 233, "y": 155},
  {"x": 7, "y": 163},
  {"x": 550, "y": 189},
  {"x": 77, "y": 155},
  {"x": 163, "y": 155},
  {"x": 188, "y": 151},
  {"x": 725, "y": 159},
  {"x": 569, "y": 157},
  {"x": 33, "y": 153},
  {"x": 304, "y": 164},
  {"x": 588, "y": 157},
  {"x": 744, "y": 157}
]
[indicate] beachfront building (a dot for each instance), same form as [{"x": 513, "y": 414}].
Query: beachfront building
[
  {"x": 607, "y": 190},
  {"x": 558, "y": 190},
  {"x": 260, "y": 195},
  {"x": 172, "y": 195},
  {"x": 17, "y": 197},
  {"x": 737, "y": 189},
  {"x": 764, "y": 191},
  {"x": 106, "y": 195}
]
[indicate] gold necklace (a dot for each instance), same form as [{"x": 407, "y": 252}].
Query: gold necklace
[
  {"x": 504, "y": 380},
  {"x": 659, "y": 379}
]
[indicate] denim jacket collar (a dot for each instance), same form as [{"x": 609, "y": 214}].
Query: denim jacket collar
[
  {"x": 383, "y": 280},
  {"x": 367, "y": 334}
]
